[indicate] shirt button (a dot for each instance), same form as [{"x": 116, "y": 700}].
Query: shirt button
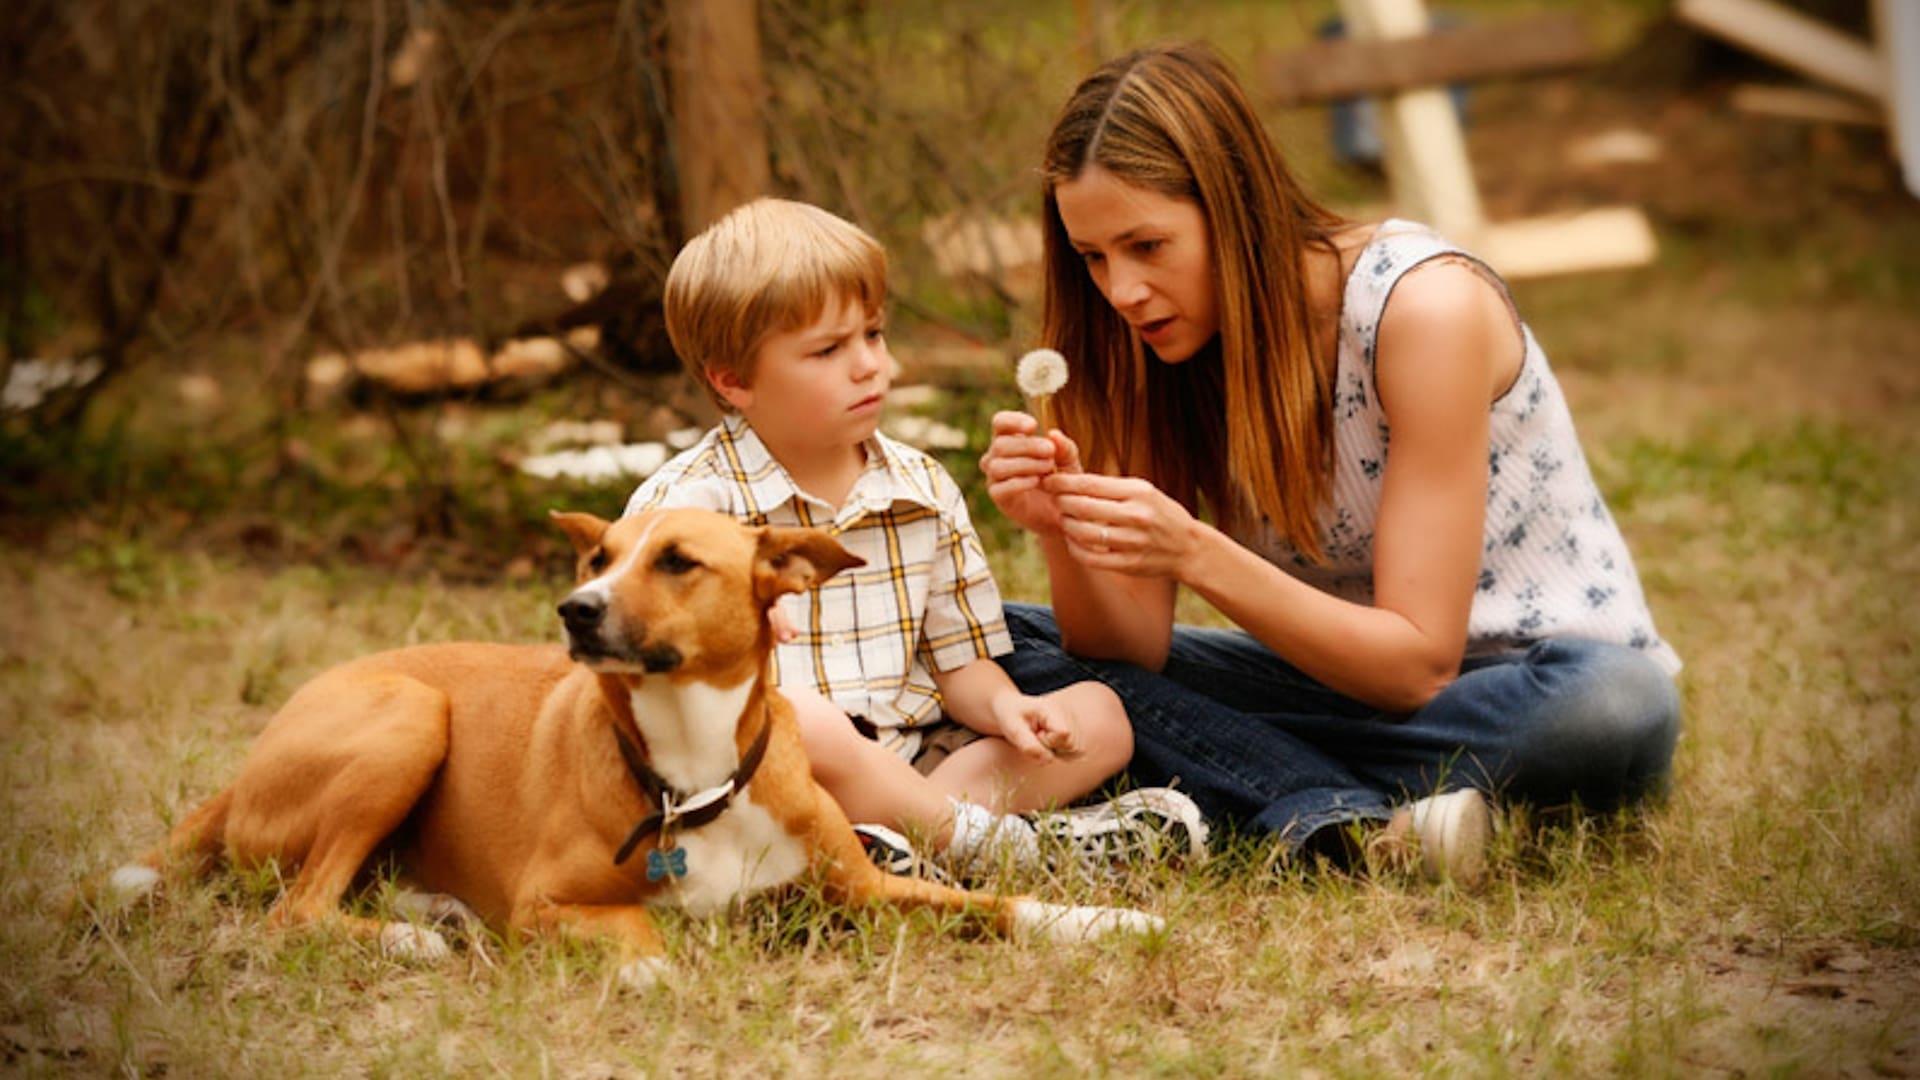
[{"x": 837, "y": 640}]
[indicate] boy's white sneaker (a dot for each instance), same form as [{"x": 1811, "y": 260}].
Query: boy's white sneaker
[
  {"x": 983, "y": 841},
  {"x": 1141, "y": 825},
  {"x": 895, "y": 854}
]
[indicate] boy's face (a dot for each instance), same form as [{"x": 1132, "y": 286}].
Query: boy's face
[{"x": 819, "y": 387}]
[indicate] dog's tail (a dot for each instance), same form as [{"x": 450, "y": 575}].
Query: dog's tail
[
  {"x": 193, "y": 844},
  {"x": 198, "y": 839}
]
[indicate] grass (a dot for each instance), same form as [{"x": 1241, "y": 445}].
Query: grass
[
  {"x": 1763, "y": 919},
  {"x": 1750, "y": 404}
]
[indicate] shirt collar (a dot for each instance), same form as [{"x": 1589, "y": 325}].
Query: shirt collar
[{"x": 888, "y": 478}]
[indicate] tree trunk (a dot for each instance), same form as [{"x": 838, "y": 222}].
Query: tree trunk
[{"x": 718, "y": 98}]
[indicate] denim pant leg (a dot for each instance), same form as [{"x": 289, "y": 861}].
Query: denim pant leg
[
  {"x": 1273, "y": 750},
  {"x": 1241, "y": 770},
  {"x": 1565, "y": 720}
]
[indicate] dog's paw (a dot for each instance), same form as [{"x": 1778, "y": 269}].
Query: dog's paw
[
  {"x": 130, "y": 883},
  {"x": 644, "y": 973},
  {"x": 414, "y": 944},
  {"x": 1065, "y": 923}
]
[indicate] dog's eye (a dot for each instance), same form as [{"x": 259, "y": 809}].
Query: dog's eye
[
  {"x": 672, "y": 562},
  {"x": 599, "y": 561}
]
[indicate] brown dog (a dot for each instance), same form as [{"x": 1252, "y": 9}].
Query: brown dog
[{"x": 650, "y": 763}]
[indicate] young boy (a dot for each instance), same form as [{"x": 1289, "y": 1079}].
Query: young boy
[{"x": 906, "y": 717}]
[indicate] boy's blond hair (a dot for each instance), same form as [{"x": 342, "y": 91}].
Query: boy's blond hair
[{"x": 766, "y": 267}]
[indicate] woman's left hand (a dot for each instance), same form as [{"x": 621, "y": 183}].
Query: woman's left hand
[{"x": 1123, "y": 524}]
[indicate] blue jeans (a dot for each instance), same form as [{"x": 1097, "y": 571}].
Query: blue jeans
[{"x": 1264, "y": 748}]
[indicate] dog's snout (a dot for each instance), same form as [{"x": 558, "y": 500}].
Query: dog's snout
[{"x": 583, "y": 612}]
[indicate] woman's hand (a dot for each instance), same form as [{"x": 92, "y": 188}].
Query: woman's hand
[
  {"x": 1016, "y": 462},
  {"x": 1123, "y": 524}
]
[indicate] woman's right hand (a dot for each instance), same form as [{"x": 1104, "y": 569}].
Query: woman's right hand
[{"x": 1017, "y": 460}]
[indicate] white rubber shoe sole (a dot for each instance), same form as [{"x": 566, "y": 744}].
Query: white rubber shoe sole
[
  {"x": 1135, "y": 826},
  {"x": 1453, "y": 830}
]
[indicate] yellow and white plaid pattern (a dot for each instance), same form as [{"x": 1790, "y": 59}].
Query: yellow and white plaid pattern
[{"x": 870, "y": 638}]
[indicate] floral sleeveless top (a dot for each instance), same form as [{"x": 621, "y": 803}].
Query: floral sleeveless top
[{"x": 1553, "y": 563}]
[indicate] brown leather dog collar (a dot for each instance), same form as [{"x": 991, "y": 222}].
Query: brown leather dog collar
[{"x": 679, "y": 811}]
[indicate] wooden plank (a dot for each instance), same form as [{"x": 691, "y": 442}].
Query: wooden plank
[
  {"x": 1787, "y": 37},
  {"x": 1330, "y": 70},
  {"x": 720, "y": 137},
  {"x": 1898, "y": 30},
  {"x": 1805, "y": 103},
  {"x": 1608, "y": 238},
  {"x": 1426, "y": 150}
]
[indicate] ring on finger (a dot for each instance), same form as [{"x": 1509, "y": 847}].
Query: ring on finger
[{"x": 1103, "y": 536}]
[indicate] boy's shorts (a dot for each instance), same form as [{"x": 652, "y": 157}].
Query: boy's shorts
[{"x": 938, "y": 741}]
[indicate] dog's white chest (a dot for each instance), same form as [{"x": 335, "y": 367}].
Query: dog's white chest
[
  {"x": 689, "y": 731},
  {"x": 742, "y": 851}
]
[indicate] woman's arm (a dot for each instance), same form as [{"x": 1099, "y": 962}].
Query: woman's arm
[
  {"x": 1109, "y": 616},
  {"x": 1101, "y": 614},
  {"x": 1446, "y": 350}
]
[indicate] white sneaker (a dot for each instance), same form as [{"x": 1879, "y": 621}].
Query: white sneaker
[
  {"x": 1453, "y": 830},
  {"x": 1145, "y": 823},
  {"x": 983, "y": 841},
  {"x": 894, "y": 854}
]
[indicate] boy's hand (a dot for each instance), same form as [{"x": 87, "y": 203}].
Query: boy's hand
[
  {"x": 782, "y": 627},
  {"x": 1037, "y": 727}
]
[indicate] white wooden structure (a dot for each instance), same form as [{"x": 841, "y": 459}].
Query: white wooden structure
[
  {"x": 1432, "y": 177},
  {"x": 1880, "y": 77}
]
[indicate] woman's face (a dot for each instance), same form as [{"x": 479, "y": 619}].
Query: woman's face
[{"x": 1148, "y": 254}]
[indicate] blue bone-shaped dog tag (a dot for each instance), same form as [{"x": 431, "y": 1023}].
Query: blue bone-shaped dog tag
[{"x": 666, "y": 863}]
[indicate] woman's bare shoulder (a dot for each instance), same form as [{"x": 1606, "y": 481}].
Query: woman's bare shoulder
[
  {"x": 1446, "y": 310},
  {"x": 1352, "y": 240}
]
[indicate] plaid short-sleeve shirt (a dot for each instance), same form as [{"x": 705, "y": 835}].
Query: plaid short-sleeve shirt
[{"x": 870, "y": 638}]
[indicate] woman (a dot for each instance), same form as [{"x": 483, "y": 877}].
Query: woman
[{"x": 1457, "y": 616}]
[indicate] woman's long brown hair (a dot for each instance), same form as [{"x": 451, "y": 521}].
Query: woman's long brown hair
[{"x": 1247, "y": 424}]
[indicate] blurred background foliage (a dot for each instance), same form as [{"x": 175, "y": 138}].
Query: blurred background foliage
[{"x": 204, "y": 197}]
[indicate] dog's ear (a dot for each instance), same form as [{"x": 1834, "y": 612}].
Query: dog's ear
[
  {"x": 584, "y": 530},
  {"x": 795, "y": 560}
]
